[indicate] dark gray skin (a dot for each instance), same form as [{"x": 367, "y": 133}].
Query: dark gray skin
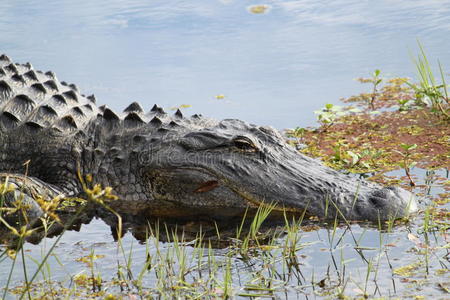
[{"x": 170, "y": 166}]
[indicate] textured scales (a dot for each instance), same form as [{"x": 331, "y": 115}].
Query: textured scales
[
  {"x": 38, "y": 110},
  {"x": 168, "y": 165}
]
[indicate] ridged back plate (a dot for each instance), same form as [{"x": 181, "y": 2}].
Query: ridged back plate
[{"x": 33, "y": 100}]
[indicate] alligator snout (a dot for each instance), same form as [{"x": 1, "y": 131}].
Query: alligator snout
[{"x": 387, "y": 203}]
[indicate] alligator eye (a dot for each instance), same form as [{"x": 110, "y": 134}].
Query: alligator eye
[{"x": 244, "y": 144}]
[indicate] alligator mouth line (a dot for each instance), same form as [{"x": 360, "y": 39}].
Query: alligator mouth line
[
  {"x": 273, "y": 205},
  {"x": 253, "y": 202}
]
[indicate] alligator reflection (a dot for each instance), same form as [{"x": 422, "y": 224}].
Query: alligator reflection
[{"x": 218, "y": 233}]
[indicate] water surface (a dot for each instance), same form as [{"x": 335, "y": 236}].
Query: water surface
[{"x": 273, "y": 68}]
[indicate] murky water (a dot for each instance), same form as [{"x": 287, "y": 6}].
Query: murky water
[{"x": 274, "y": 68}]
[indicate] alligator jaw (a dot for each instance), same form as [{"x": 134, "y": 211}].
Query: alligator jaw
[
  {"x": 185, "y": 192},
  {"x": 195, "y": 191},
  {"x": 204, "y": 193}
]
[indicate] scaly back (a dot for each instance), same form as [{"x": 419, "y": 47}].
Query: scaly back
[
  {"x": 33, "y": 100},
  {"x": 59, "y": 131}
]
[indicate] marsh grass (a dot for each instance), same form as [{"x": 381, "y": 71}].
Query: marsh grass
[
  {"x": 428, "y": 90},
  {"x": 338, "y": 261}
]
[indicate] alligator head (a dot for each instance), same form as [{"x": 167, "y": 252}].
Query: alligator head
[{"x": 221, "y": 169}]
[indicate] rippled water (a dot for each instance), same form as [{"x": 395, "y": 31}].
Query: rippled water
[{"x": 274, "y": 68}]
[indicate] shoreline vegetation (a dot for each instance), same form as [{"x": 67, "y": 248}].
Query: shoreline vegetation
[{"x": 397, "y": 133}]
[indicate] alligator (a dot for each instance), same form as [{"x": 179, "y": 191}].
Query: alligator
[{"x": 168, "y": 165}]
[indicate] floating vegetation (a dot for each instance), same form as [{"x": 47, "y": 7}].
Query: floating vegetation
[
  {"x": 259, "y": 9},
  {"x": 397, "y": 137},
  {"x": 180, "y": 107}
]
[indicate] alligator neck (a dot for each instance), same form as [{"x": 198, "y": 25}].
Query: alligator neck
[{"x": 109, "y": 155}]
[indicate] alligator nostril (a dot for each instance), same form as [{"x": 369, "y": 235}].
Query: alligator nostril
[{"x": 376, "y": 201}]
